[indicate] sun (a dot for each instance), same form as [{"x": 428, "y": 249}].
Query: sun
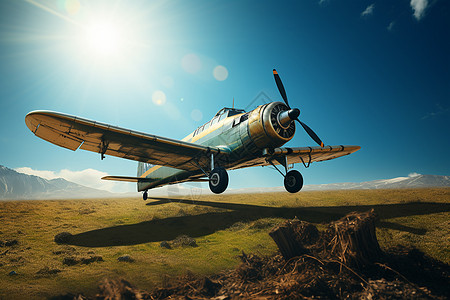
[{"x": 103, "y": 38}]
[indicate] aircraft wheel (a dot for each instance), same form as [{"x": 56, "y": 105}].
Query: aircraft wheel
[
  {"x": 293, "y": 181},
  {"x": 218, "y": 180},
  {"x": 145, "y": 195}
]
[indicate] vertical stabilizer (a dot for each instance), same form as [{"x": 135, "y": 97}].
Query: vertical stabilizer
[{"x": 143, "y": 167}]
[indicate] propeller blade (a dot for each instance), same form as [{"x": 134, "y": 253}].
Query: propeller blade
[
  {"x": 294, "y": 113},
  {"x": 311, "y": 133},
  {"x": 280, "y": 87}
]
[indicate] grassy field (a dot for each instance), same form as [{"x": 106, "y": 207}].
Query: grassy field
[{"x": 223, "y": 226}]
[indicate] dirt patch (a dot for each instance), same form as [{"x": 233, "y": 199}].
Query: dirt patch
[
  {"x": 86, "y": 211},
  {"x": 67, "y": 250},
  {"x": 71, "y": 261},
  {"x": 184, "y": 241},
  {"x": 179, "y": 241},
  {"x": 48, "y": 271},
  {"x": 165, "y": 244},
  {"x": 9, "y": 243},
  {"x": 125, "y": 258},
  {"x": 63, "y": 237}
]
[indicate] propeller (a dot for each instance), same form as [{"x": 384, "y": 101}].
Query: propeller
[{"x": 294, "y": 113}]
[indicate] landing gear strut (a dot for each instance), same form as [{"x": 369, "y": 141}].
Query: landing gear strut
[
  {"x": 218, "y": 180},
  {"x": 293, "y": 181},
  {"x": 145, "y": 195}
]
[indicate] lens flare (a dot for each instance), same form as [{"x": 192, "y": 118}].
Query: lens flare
[
  {"x": 220, "y": 73},
  {"x": 72, "y": 6},
  {"x": 159, "y": 98},
  {"x": 196, "y": 115},
  {"x": 191, "y": 63}
]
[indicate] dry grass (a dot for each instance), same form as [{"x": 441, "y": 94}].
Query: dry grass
[{"x": 223, "y": 227}]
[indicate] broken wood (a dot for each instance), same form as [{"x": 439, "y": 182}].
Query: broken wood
[
  {"x": 350, "y": 240},
  {"x": 292, "y": 236},
  {"x": 353, "y": 240}
]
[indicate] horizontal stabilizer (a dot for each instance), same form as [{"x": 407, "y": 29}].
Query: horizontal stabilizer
[{"x": 127, "y": 178}]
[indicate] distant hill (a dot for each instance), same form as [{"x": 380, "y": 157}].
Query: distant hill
[
  {"x": 418, "y": 181},
  {"x": 14, "y": 185}
]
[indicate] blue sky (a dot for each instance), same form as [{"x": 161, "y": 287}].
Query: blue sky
[{"x": 368, "y": 73}]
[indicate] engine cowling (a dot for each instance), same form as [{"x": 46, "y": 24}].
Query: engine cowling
[{"x": 265, "y": 128}]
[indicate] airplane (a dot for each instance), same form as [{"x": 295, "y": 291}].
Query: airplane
[{"x": 232, "y": 139}]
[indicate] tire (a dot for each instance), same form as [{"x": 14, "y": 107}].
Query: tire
[
  {"x": 145, "y": 196},
  {"x": 293, "y": 181},
  {"x": 218, "y": 180}
]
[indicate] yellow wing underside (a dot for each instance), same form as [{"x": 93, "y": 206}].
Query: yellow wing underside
[{"x": 76, "y": 133}]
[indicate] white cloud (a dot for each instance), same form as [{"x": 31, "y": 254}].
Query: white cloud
[
  {"x": 368, "y": 11},
  {"x": 438, "y": 112},
  {"x": 391, "y": 26},
  {"x": 44, "y": 174},
  {"x": 419, "y": 7},
  {"x": 414, "y": 174},
  {"x": 88, "y": 177}
]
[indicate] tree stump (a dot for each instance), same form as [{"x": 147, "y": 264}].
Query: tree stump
[
  {"x": 352, "y": 239},
  {"x": 291, "y": 237}
]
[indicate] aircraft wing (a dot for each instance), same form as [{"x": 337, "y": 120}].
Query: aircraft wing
[
  {"x": 311, "y": 154},
  {"x": 76, "y": 133},
  {"x": 295, "y": 155}
]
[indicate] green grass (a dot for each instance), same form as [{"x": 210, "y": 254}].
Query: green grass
[{"x": 223, "y": 226}]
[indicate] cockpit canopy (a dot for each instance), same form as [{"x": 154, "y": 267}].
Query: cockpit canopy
[
  {"x": 220, "y": 116},
  {"x": 230, "y": 111}
]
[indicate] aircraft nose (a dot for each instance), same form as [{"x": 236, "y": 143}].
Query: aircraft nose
[
  {"x": 294, "y": 113},
  {"x": 286, "y": 117}
]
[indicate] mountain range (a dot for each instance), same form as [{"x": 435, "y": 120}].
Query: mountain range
[
  {"x": 413, "y": 181},
  {"x": 15, "y": 185}
]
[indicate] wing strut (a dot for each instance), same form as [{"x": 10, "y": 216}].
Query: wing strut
[
  {"x": 283, "y": 161},
  {"x": 104, "y": 147},
  {"x": 309, "y": 162},
  {"x": 196, "y": 163},
  {"x": 270, "y": 162}
]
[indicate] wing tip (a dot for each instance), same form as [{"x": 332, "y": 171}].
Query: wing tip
[{"x": 41, "y": 112}]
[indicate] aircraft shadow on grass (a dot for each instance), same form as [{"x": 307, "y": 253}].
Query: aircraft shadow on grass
[{"x": 200, "y": 225}]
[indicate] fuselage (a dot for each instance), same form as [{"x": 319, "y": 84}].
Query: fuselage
[{"x": 242, "y": 135}]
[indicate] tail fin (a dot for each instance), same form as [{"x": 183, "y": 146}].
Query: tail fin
[{"x": 143, "y": 167}]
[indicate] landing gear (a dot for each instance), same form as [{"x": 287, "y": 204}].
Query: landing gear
[
  {"x": 218, "y": 180},
  {"x": 145, "y": 195},
  {"x": 293, "y": 181}
]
